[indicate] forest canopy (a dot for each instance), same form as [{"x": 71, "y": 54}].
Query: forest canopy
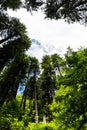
[{"x": 54, "y": 95}]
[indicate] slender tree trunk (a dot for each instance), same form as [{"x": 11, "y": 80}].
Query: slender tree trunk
[
  {"x": 36, "y": 108},
  {"x": 3, "y": 94},
  {"x": 15, "y": 89},
  {"x": 44, "y": 119},
  {"x": 23, "y": 102}
]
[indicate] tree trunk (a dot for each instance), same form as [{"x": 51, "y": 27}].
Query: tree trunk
[
  {"x": 36, "y": 108},
  {"x": 44, "y": 119},
  {"x": 23, "y": 102}
]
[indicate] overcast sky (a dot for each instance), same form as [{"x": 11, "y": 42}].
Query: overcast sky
[{"x": 58, "y": 33}]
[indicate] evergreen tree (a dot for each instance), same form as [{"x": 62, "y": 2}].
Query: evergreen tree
[
  {"x": 12, "y": 75},
  {"x": 30, "y": 91},
  {"x": 48, "y": 81},
  {"x": 13, "y": 44}
]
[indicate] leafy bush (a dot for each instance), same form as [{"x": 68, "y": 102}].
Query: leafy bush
[
  {"x": 17, "y": 125},
  {"x": 9, "y": 123},
  {"x": 5, "y": 122},
  {"x": 41, "y": 126}
]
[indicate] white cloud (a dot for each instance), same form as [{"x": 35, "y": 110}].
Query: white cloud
[{"x": 58, "y": 33}]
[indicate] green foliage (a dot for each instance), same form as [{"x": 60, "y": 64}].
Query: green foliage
[
  {"x": 60, "y": 93},
  {"x": 13, "y": 118},
  {"x": 41, "y": 126},
  {"x": 33, "y": 4},
  {"x": 11, "y": 123},
  {"x": 69, "y": 106},
  {"x": 13, "y": 44},
  {"x": 12, "y": 108},
  {"x": 5, "y": 122},
  {"x": 12, "y": 75},
  {"x": 17, "y": 125},
  {"x": 5, "y": 4},
  {"x": 70, "y": 10},
  {"x": 11, "y": 115}
]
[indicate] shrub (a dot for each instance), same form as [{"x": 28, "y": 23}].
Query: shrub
[{"x": 41, "y": 126}]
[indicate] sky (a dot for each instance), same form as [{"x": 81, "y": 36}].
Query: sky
[{"x": 53, "y": 32}]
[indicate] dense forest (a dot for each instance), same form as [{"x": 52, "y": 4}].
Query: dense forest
[{"x": 54, "y": 93}]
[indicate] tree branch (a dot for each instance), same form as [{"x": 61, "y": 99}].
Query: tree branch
[
  {"x": 7, "y": 38},
  {"x": 80, "y": 3}
]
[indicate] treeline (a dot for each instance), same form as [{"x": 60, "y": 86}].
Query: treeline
[{"x": 54, "y": 97}]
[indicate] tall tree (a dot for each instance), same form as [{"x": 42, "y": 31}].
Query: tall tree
[
  {"x": 13, "y": 44},
  {"x": 12, "y": 75},
  {"x": 48, "y": 83},
  {"x": 30, "y": 91}
]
